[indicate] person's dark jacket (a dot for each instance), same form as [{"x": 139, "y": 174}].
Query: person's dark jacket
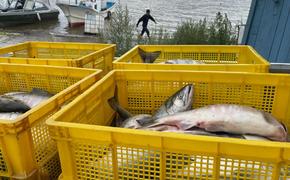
[{"x": 145, "y": 18}]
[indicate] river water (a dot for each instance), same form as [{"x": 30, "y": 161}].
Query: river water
[{"x": 168, "y": 14}]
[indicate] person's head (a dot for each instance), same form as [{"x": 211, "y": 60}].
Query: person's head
[{"x": 147, "y": 11}]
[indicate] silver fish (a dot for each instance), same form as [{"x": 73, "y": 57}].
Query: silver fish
[
  {"x": 10, "y": 104},
  {"x": 228, "y": 118},
  {"x": 124, "y": 115},
  {"x": 199, "y": 131},
  {"x": 182, "y": 61},
  {"x": 133, "y": 122},
  {"x": 148, "y": 57},
  {"x": 31, "y": 99},
  {"x": 179, "y": 102},
  {"x": 9, "y": 115}
]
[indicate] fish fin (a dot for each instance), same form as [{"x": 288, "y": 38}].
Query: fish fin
[
  {"x": 148, "y": 57},
  {"x": 145, "y": 121},
  {"x": 116, "y": 122},
  {"x": 41, "y": 92},
  {"x": 114, "y": 103},
  {"x": 243, "y": 137},
  {"x": 284, "y": 126},
  {"x": 169, "y": 120}
]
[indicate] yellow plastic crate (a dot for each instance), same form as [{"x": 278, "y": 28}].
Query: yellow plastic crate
[
  {"x": 216, "y": 58},
  {"x": 85, "y": 55},
  {"x": 90, "y": 149},
  {"x": 26, "y": 149}
]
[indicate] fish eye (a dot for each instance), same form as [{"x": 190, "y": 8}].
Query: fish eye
[{"x": 180, "y": 96}]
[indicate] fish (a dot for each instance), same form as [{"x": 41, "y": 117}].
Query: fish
[
  {"x": 31, "y": 99},
  {"x": 9, "y": 115},
  {"x": 182, "y": 61},
  {"x": 178, "y": 102},
  {"x": 148, "y": 57},
  {"x": 199, "y": 131},
  {"x": 124, "y": 115},
  {"x": 10, "y": 104},
  {"x": 230, "y": 118},
  {"x": 133, "y": 122},
  {"x": 114, "y": 103},
  {"x": 257, "y": 138}
]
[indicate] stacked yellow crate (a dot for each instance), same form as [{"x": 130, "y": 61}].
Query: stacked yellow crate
[
  {"x": 26, "y": 149},
  {"x": 90, "y": 149},
  {"x": 84, "y": 55},
  {"x": 215, "y": 58}
]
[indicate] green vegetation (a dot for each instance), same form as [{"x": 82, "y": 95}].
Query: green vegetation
[
  {"x": 221, "y": 31},
  {"x": 191, "y": 32},
  {"x": 218, "y": 32},
  {"x": 120, "y": 30}
]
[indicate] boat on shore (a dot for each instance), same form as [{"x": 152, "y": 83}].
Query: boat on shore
[
  {"x": 76, "y": 12},
  {"x": 19, "y": 12}
]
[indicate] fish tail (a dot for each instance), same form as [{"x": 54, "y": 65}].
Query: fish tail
[
  {"x": 115, "y": 105},
  {"x": 142, "y": 54},
  {"x": 114, "y": 101},
  {"x": 148, "y": 57}
]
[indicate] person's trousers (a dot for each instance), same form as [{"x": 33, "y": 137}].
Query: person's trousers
[{"x": 145, "y": 29}]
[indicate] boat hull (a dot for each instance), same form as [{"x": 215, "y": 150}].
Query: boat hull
[
  {"x": 74, "y": 14},
  {"x": 26, "y": 17}
]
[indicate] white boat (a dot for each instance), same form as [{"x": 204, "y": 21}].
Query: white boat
[{"x": 75, "y": 12}]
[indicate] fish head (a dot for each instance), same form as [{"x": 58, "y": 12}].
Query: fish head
[
  {"x": 278, "y": 131},
  {"x": 183, "y": 99},
  {"x": 279, "y": 134}
]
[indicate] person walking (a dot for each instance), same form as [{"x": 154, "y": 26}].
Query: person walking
[{"x": 145, "y": 18}]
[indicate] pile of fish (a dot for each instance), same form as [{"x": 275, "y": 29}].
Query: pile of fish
[
  {"x": 150, "y": 57},
  {"x": 225, "y": 120},
  {"x": 14, "y": 104}
]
